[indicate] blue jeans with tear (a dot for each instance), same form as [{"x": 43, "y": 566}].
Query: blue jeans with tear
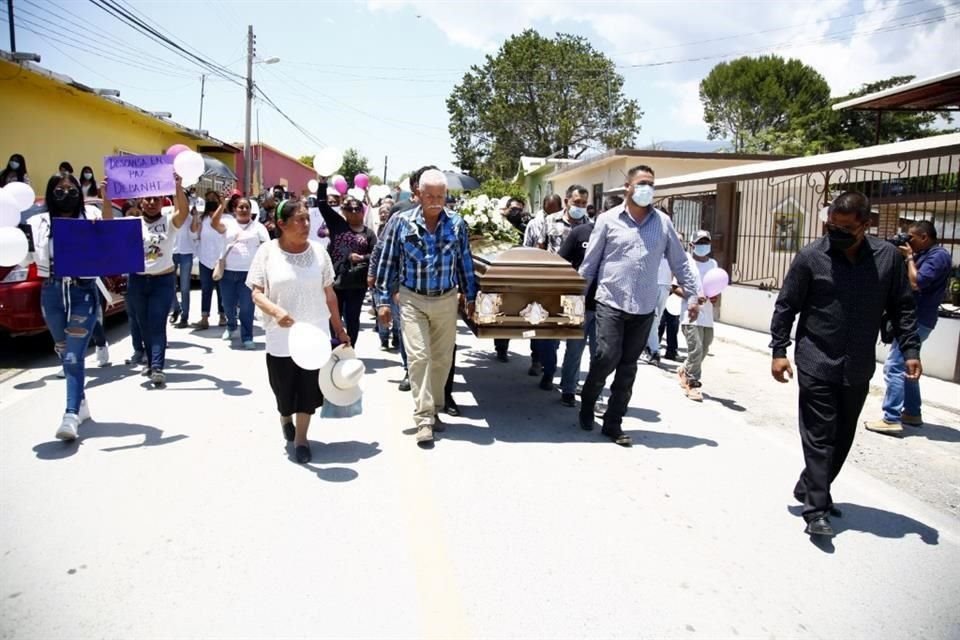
[
  {"x": 237, "y": 298},
  {"x": 902, "y": 396},
  {"x": 70, "y": 311}
]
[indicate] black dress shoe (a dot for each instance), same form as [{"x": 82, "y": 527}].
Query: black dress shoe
[
  {"x": 450, "y": 407},
  {"x": 836, "y": 513},
  {"x": 405, "y": 383},
  {"x": 617, "y": 436},
  {"x": 502, "y": 356},
  {"x": 289, "y": 431},
  {"x": 535, "y": 370},
  {"x": 819, "y": 526},
  {"x": 303, "y": 454},
  {"x": 568, "y": 400},
  {"x": 586, "y": 418},
  {"x": 546, "y": 384}
]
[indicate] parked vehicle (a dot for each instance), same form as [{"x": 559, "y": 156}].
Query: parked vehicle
[{"x": 20, "y": 313}]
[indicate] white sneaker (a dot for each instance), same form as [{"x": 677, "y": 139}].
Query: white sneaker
[
  {"x": 61, "y": 373},
  {"x": 68, "y": 427},
  {"x": 84, "y": 413},
  {"x": 103, "y": 356},
  {"x": 230, "y": 335}
]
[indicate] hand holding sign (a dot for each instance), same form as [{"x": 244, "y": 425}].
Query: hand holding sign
[{"x": 138, "y": 176}]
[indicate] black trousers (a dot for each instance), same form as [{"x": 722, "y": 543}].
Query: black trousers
[
  {"x": 670, "y": 324},
  {"x": 621, "y": 338},
  {"x": 448, "y": 387},
  {"x": 502, "y": 345},
  {"x": 829, "y": 414},
  {"x": 351, "y": 306}
]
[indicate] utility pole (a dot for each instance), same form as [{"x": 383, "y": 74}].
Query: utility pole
[
  {"x": 203, "y": 83},
  {"x": 384, "y": 169},
  {"x": 13, "y": 36},
  {"x": 247, "y": 152}
]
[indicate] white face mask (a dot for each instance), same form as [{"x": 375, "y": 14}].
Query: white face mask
[
  {"x": 701, "y": 250},
  {"x": 14, "y": 165},
  {"x": 577, "y": 213},
  {"x": 643, "y": 195},
  {"x": 87, "y": 175}
]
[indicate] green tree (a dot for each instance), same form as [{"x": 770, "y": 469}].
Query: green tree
[
  {"x": 307, "y": 160},
  {"x": 353, "y": 163},
  {"x": 750, "y": 100},
  {"x": 538, "y": 96}
]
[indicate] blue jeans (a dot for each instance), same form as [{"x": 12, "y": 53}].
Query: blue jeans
[
  {"x": 395, "y": 329},
  {"x": 902, "y": 395},
  {"x": 546, "y": 351},
  {"x": 184, "y": 263},
  {"x": 653, "y": 344},
  {"x": 207, "y": 286},
  {"x": 236, "y": 296},
  {"x": 70, "y": 312},
  {"x": 99, "y": 336},
  {"x": 573, "y": 354},
  {"x": 150, "y": 297}
]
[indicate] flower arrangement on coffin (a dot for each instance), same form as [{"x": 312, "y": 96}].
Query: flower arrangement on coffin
[{"x": 490, "y": 232}]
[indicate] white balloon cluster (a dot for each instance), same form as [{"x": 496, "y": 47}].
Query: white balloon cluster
[{"x": 15, "y": 198}]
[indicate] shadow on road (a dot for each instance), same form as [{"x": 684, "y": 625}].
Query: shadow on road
[
  {"x": 516, "y": 410},
  {"x": 937, "y": 432},
  {"x": 727, "y": 403},
  {"x": 351, "y": 451},
  {"x": 152, "y": 437},
  {"x": 881, "y": 523}
]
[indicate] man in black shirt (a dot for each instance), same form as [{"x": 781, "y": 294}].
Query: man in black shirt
[{"x": 839, "y": 285}]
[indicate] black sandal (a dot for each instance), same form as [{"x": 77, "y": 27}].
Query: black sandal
[
  {"x": 289, "y": 431},
  {"x": 303, "y": 454}
]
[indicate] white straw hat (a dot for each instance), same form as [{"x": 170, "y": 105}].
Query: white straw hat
[{"x": 340, "y": 377}]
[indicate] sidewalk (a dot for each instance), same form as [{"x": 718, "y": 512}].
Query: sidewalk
[{"x": 936, "y": 393}]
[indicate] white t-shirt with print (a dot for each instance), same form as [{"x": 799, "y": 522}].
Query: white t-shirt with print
[
  {"x": 700, "y": 269},
  {"x": 296, "y": 282},
  {"x": 158, "y": 238},
  {"x": 242, "y": 242}
]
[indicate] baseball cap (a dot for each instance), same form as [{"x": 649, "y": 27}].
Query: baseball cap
[{"x": 701, "y": 235}]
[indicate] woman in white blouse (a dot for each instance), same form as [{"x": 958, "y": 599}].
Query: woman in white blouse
[
  {"x": 209, "y": 249},
  {"x": 292, "y": 281},
  {"x": 243, "y": 236}
]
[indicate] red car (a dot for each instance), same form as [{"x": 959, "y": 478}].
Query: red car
[{"x": 20, "y": 288}]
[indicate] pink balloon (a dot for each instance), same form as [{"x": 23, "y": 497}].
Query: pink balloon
[
  {"x": 361, "y": 181},
  {"x": 714, "y": 282},
  {"x": 340, "y": 184},
  {"x": 176, "y": 149}
]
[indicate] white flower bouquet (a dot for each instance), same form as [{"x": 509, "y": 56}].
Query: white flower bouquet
[{"x": 489, "y": 230}]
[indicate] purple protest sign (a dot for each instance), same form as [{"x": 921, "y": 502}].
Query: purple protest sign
[
  {"x": 138, "y": 176},
  {"x": 88, "y": 248}
]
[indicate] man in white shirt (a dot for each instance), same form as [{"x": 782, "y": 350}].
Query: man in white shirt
[{"x": 699, "y": 332}]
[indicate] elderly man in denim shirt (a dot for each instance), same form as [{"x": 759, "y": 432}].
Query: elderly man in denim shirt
[{"x": 928, "y": 269}]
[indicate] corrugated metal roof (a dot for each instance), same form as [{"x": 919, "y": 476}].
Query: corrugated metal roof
[{"x": 934, "y": 93}]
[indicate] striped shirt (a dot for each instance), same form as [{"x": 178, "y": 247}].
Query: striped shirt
[
  {"x": 424, "y": 262},
  {"x": 623, "y": 257}
]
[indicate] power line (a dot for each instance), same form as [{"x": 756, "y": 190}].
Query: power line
[{"x": 299, "y": 128}]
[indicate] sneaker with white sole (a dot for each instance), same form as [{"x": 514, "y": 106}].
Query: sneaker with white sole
[
  {"x": 61, "y": 373},
  {"x": 84, "y": 413},
  {"x": 158, "y": 378},
  {"x": 230, "y": 335},
  {"x": 103, "y": 356},
  {"x": 68, "y": 427},
  {"x": 250, "y": 345}
]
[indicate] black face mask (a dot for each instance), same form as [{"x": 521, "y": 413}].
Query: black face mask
[
  {"x": 210, "y": 206},
  {"x": 67, "y": 205},
  {"x": 514, "y": 215},
  {"x": 840, "y": 239}
]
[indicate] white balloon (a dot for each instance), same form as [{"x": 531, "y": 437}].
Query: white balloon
[
  {"x": 674, "y": 305},
  {"x": 312, "y": 186},
  {"x": 13, "y": 246},
  {"x": 22, "y": 194},
  {"x": 189, "y": 166},
  {"x": 378, "y": 192},
  {"x": 309, "y": 346},
  {"x": 9, "y": 210},
  {"x": 327, "y": 161},
  {"x": 356, "y": 192}
]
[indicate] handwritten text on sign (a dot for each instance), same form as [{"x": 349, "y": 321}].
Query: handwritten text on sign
[{"x": 138, "y": 176}]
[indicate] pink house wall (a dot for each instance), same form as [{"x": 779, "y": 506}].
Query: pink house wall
[{"x": 277, "y": 169}]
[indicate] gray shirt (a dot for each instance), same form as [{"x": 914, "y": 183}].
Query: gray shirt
[{"x": 624, "y": 258}]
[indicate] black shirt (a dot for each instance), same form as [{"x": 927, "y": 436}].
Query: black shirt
[
  {"x": 840, "y": 304},
  {"x": 573, "y": 249}
]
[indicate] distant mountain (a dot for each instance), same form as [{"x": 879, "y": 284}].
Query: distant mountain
[{"x": 693, "y": 146}]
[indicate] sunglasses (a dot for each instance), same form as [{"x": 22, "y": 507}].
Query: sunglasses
[
  {"x": 60, "y": 193},
  {"x": 352, "y": 209}
]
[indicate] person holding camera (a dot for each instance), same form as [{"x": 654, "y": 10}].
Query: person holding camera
[{"x": 928, "y": 270}]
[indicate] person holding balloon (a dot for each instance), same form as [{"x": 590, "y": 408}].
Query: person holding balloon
[
  {"x": 698, "y": 332},
  {"x": 292, "y": 283},
  {"x": 150, "y": 293}
]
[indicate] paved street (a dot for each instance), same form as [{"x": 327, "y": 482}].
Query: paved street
[{"x": 179, "y": 513}]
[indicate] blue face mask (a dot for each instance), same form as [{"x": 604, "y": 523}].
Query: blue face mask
[
  {"x": 643, "y": 195},
  {"x": 577, "y": 213},
  {"x": 701, "y": 250}
]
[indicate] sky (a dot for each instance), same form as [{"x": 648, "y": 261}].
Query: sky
[{"x": 375, "y": 74}]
